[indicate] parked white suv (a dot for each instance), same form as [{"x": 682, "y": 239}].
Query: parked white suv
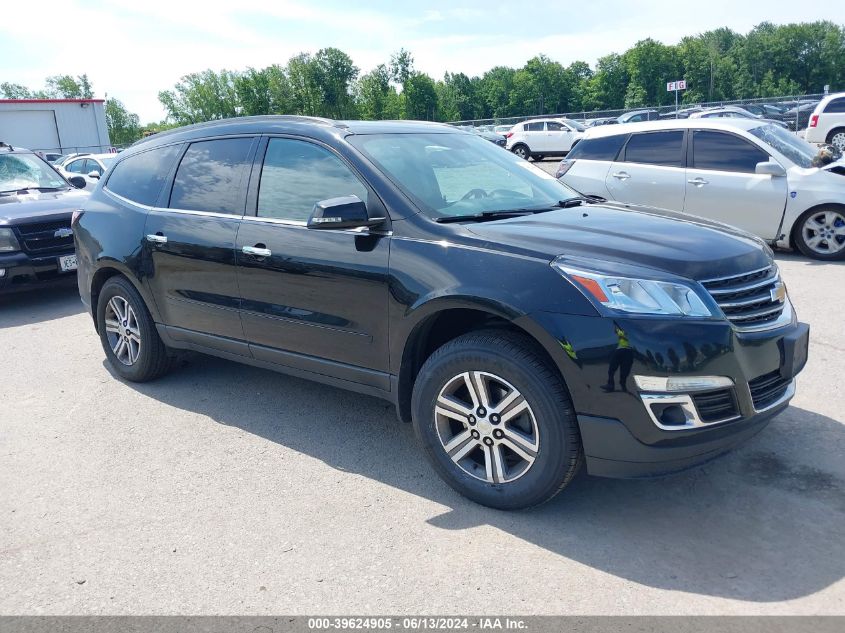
[
  {"x": 744, "y": 172},
  {"x": 90, "y": 166},
  {"x": 827, "y": 123},
  {"x": 539, "y": 138}
]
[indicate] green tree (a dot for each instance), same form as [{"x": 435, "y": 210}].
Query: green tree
[
  {"x": 377, "y": 99},
  {"x": 335, "y": 75},
  {"x": 15, "y": 91},
  {"x": 68, "y": 87},
  {"x": 420, "y": 97},
  {"x": 124, "y": 126},
  {"x": 201, "y": 97},
  {"x": 457, "y": 98}
]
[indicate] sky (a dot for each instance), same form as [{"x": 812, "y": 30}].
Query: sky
[{"x": 132, "y": 49}]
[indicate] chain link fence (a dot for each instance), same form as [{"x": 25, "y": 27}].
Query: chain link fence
[{"x": 795, "y": 117}]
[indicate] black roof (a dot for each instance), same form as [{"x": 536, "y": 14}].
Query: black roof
[{"x": 315, "y": 127}]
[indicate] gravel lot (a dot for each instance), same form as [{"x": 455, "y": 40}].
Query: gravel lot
[{"x": 224, "y": 489}]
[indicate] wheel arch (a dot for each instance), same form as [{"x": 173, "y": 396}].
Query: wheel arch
[
  {"x": 444, "y": 320},
  {"x": 105, "y": 271},
  {"x": 835, "y": 130}
]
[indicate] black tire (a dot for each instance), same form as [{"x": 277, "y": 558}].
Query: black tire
[
  {"x": 800, "y": 241},
  {"x": 153, "y": 358},
  {"x": 837, "y": 138},
  {"x": 521, "y": 150},
  {"x": 512, "y": 357}
]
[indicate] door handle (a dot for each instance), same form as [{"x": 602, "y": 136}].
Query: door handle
[
  {"x": 258, "y": 250},
  {"x": 698, "y": 182},
  {"x": 157, "y": 238},
  {"x": 621, "y": 175}
]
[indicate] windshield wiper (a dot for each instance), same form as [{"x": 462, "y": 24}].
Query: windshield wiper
[
  {"x": 579, "y": 200},
  {"x": 485, "y": 215}
]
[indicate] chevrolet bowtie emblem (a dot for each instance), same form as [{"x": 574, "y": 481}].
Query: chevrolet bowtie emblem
[
  {"x": 63, "y": 232},
  {"x": 778, "y": 293}
]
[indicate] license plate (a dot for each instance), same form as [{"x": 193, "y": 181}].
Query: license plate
[
  {"x": 794, "y": 349},
  {"x": 67, "y": 263}
]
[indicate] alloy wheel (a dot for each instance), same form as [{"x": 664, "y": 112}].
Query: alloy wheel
[
  {"x": 122, "y": 330},
  {"x": 824, "y": 232},
  {"x": 486, "y": 427},
  {"x": 521, "y": 152},
  {"x": 838, "y": 141}
]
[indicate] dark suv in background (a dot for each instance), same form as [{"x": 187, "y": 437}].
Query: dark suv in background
[
  {"x": 522, "y": 328},
  {"x": 36, "y": 208}
]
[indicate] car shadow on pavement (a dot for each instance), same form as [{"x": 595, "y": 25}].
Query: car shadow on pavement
[
  {"x": 765, "y": 523},
  {"x": 40, "y": 304}
]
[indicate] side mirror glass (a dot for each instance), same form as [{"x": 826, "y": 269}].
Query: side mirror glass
[
  {"x": 77, "y": 181},
  {"x": 770, "y": 168},
  {"x": 94, "y": 174},
  {"x": 347, "y": 212}
]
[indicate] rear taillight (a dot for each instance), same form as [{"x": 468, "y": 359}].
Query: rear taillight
[
  {"x": 77, "y": 213},
  {"x": 509, "y": 134},
  {"x": 565, "y": 166},
  {"x": 814, "y": 120}
]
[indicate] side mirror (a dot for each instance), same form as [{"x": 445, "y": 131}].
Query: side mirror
[
  {"x": 347, "y": 212},
  {"x": 77, "y": 181},
  {"x": 770, "y": 168},
  {"x": 94, "y": 174}
]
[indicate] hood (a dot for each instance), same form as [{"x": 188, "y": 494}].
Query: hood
[
  {"x": 19, "y": 209},
  {"x": 663, "y": 240}
]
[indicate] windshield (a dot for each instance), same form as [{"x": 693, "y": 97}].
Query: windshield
[
  {"x": 574, "y": 125},
  {"x": 457, "y": 174},
  {"x": 27, "y": 171},
  {"x": 795, "y": 149}
]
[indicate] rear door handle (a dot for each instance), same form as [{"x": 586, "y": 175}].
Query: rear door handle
[
  {"x": 257, "y": 251},
  {"x": 621, "y": 175},
  {"x": 698, "y": 182},
  {"x": 157, "y": 238}
]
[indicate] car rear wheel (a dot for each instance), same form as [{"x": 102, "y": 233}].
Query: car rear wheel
[
  {"x": 522, "y": 151},
  {"x": 820, "y": 233},
  {"x": 496, "y": 421},
  {"x": 128, "y": 334},
  {"x": 837, "y": 139}
]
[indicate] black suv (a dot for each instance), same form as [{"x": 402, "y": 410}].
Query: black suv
[
  {"x": 522, "y": 328},
  {"x": 36, "y": 208}
]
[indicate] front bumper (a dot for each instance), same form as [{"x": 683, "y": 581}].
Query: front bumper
[
  {"x": 619, "y": 435},
  {"x": 24, "y": 271}
]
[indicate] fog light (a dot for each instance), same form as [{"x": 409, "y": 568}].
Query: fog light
[{"x": 682, "y": 383}]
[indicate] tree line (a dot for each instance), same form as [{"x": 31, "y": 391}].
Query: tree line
[{"x": 769, "y": 60}]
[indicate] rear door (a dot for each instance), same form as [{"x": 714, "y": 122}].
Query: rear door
[
  {"x": 535, "y": 136},
  {"x": 312, "y": 299},
  {"x": 190, "y": 244},
  {"x": 650, "y": 170},
  {"x": 722, "y": 185}
]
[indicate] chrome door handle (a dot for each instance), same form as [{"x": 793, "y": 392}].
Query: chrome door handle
[
  {"x": 621, "y": 175},
  {"x": 698, "y": 182},
  {"x": 157, "y": 239},
  {"x": 256, "y": 251}
]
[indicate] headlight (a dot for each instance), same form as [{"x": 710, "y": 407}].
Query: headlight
[
  {"x": 8, "y": 241},
  {"x": 638, "y": 296}
]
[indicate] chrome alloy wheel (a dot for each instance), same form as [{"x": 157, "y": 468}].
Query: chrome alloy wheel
[
  {"x": 122, "y": 330},
  {"x": 824, "y": 232},
  {"x": 486, "y": 427},
  {"x": 838, "y": 141}
]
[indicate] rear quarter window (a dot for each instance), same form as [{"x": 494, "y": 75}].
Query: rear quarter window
[
  {"x": 656, "y": 148},
  {"x": 837, "y": 106},
  {"x": 140, "y": 177},
  {"x": 602, "y": 148}
]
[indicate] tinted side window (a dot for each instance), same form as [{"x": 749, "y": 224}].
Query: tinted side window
[
  {"x": 551, "y": 126},
  {"x": 75, "y": 166},
  {"x": 602, "y": 148},
  {"x": 534, "y": 127},
  {"x": 724, "y": 152},
  {"x": 655, "y": 148},
  {"x": 837, "y": 106},
  {"x": 209, "y": 176},
  {"x": 140, "y": 177},
  {"x": 296, "y": 175}
]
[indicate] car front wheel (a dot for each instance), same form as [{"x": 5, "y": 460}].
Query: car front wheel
[
  {"x": 522, "y": 151},
  {"x": 128, "y": 334},
  {"x": 820, "y": 233},
  {"x": 496, "y": 421}
]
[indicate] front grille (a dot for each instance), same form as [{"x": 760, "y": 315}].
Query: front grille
[
  {"x": 714, "y": 406},
  {"x": 40, "y": 237},
  {"x": 767, "y": 389},
  {"x": 749, "y": 300}
]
